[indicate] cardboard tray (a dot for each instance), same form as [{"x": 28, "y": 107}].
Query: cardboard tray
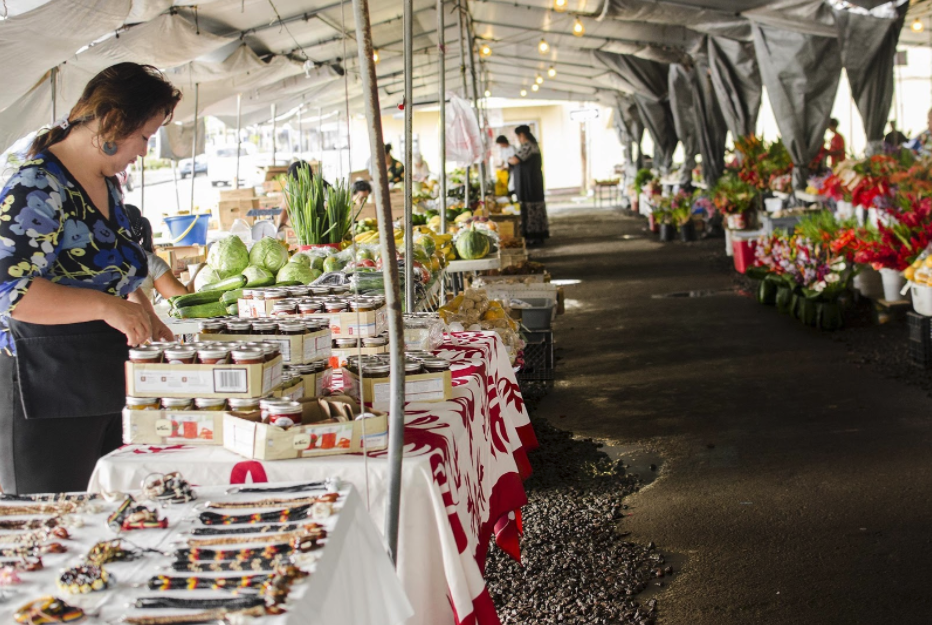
[
  {"x": 167, "y": 380},
  {"x": 423, "y": 387},
  {"x": 296, "y": 350},
  {"x": 318, "y": 435},
  {"x": 172, "y": 427},
  {"x": 347, "y": 324}
]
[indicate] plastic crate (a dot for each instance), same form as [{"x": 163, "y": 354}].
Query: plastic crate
[
  {"x": 539, "y": 315},
  {"x": 920, "y": 340},
  {"x": 538, "y": 357}
]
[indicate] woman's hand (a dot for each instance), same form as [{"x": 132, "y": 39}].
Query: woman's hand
[
  {"x": 131, "y": 319},
  {"x": 160, "y": 331}
]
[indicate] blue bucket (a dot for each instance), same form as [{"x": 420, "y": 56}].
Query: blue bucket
[{"x": 188, "y": 229}]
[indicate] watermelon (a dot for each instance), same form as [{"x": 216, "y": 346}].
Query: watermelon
[{"x": 473, "y": 245}]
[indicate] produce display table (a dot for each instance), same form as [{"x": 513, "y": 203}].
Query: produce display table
[
  {"x": 465, "y": 459},
  {"x": 351, "y": 579},
  {"x": 483, "y": 264}
]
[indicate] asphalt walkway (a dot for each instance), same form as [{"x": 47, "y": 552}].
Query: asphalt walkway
[{"x": 796, "y": 485}]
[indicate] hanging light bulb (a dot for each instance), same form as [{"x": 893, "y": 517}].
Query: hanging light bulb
[
  {"x": 523, "y": 92},
  {"x": 552, "y": 71},
  {"x": 559, "y": 5},
  {"x": 578, "y": 29},
  {"x": 543, "y": 47},
  {"x": 535, "y": 87},
  {"x": 488, "y": 93},
  {"x": 917, "y": 26},
  {"x": 375, "y": 56},
  {"x": 485, "y": 51},
  {"x": 539, "y": 79}
]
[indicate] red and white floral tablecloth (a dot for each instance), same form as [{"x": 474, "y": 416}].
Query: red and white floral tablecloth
[{"x": 465, "y": 460}]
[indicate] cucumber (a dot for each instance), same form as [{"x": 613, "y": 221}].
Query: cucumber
[
  {"x": 289, "y": 283},
  {"x": 261, "y": 283},
  {"x": 230, "y": 284},
  {"x": 230, "y": 297},
  {"x": 201, "y": 311},
  {"x": 206, "y": 297},
  {"x": 233, "y": 309}
]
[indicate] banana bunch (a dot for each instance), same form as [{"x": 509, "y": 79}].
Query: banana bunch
[{"x": 370, "y": 236}]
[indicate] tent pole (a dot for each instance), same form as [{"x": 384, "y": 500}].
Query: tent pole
[
  {"x": 273, "y": 137},
  {"x": 392, "y": 294},
  {"x": 194, "y": 146},
  {"x": 300, "y": 130},
  {"x": 409, "y": 152},
  {"x": 442, "y": 98},
  {"x": 53, "y": 79},
  {"x": 175, "y": 178},
  {"x": 320, "y": 134},
  {"x": 475, "y": 103},
  {"x": 459, "y": 13},
  {"x": 142, "y": 185},
  {"x": 239, "y": 121}
]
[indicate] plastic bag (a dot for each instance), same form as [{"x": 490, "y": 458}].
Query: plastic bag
[{"x": 464, "y": 139}]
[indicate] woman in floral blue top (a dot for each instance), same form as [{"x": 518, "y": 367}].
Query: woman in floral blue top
[{"x": 69, "y": 273}]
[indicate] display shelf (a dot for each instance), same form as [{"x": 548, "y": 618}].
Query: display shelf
[{"x": 483, "y": 264}]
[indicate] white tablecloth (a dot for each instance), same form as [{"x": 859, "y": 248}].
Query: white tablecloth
[{"x": 352, "y": 581}]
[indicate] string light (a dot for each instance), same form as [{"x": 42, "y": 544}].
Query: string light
[
  {"x": 543, "y": 47},
  {"x": 375, "y": 56},
  {"x": 535, "y": 87},
  {"x": 559, "y": 5},
  {"x": 488, "y": 93},
  {"x": 485, "y": 50},
  {"x": 552, "y": 71},
  {"x": 578, "y": 29},
  {"x": 917, "y": 26},
  {"x": 523, "y": 92},
  {"x": 539, "y": 79}
]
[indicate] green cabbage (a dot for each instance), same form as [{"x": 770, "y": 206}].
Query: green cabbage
[
  {"x": 256, "y": 276},
  {"x": 228, "y": 257},
  {"x": 269, "y": 254},
  {"x": 206, "y": 276},
  {"x": 297, "y": 271},
  {"x": 301, "y": 259}
]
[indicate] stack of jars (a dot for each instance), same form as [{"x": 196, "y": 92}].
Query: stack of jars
[
  {"x": 175, "y": 404},
  {"x": 205, "y": 353},
  {"x": 239, "y": 326},
  {"x": 352, "y": 342},
  {"x": 310, "y": 301},
  {"x": 378, "y": 366}
]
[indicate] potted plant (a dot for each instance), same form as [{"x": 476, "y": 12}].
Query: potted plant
[
  {"x": 667, "y": 225},
  {"x": 735, "y": 199},
  {"x": 320, "y": 216},
  {"x": 683, "y": 219}
]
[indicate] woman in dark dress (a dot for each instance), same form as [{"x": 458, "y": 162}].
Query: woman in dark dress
[
  {"x": 70, "y": 272},
  {"x": 529, "y": 187}
]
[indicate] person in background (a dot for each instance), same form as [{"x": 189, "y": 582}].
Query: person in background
[
  {"x": 70, "y": 270},
  {"x": 361, "y": 192},
  {"x": 395, "y": 170},
  {"x": 836, "y": 144},
  {"x": 505, "y": 152},
  {"x": 421, "y": 170},
  {"x": 922, "y": 144},
  {"x": 160, "y": 277},
  {"x": 529, "y": 187},
  {"x": 894, "y": 139}
]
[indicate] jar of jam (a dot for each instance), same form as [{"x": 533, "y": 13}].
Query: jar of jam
[
  {"x": 361, "y": 306},
  {"x": 309, "y": 308},
  {"x": 412, "y": 367},
  {"x": 274, "y": 295},
  {"x": 248, "y": 356},
  {"x": 268, "y": 403},
  {"x": 376, "y": 370},
  {"x": 143, "y": 403},
  {"x": 211, "y": 327},
  {"x": 265, "y": 328},
  {"x": 374, "y": 341},
  {"x": 284, "y": 414},
  {"x": 271, "y": 351},
  {"x": 316, "y": 325},
  {"x": 320, "y": 290},
  {"x": 345, "y": 343},
  {"x": 283, "y": 309},
  {"x": 238, "y": 327},
  {"x": 180, "y": 355},
  {"x": 298, "y": 291},
  {"x": 211, "y": 404},
  {"x": 292, "y": 329},
  {"x": 335, "y": 307},
  {"x": 145, "y": 354},
  {"x": 176, "y": 403},
  {"x": 213, "y": 355},
  {"x": 243, "y": 405},
  {"x": 435, "y": 365}
]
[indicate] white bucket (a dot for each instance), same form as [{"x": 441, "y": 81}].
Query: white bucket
[
  {"x": 922, "y": 298},
  {"x": 729, "y": 250},
  {"x": 773, "y": 204},
  {"x": 845, "y": 210},
  {"x": 859, "y": 212},
  {"x": 893, "y": 283},
  {"x": 868, "y": 283}
]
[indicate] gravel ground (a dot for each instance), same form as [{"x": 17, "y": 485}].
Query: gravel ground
[{"x": 578, "y": 567}]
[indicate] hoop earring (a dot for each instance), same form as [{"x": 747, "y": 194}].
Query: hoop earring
[{"x": 109, "y": 148}]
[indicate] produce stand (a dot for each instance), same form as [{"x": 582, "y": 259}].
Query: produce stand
[
  {"x": 352, "y": 564},
  {"x": 476, "y": 442},
  {"x": 458, "y": 267}
]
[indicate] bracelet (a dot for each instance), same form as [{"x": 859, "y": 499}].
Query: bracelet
[
  {"x": 47, "y": 610},
  {"x": 262, "y": 529},
  {"x": 168, "y": 582},
  {"x": 199, "y": 618},
  {"x": 18, "y": 552},
  {"x": 28, "y": 524},
  {"x": 308, "y": 534},
  {"x": 280, "y": 516},
  {"x": 63, "y": 507},
  {"x": 171, "y": 488},
  {"x": 225, "y": 566},
  {"x": 24, "y": 564},
  {"x": 34, "y": 537},
  {"x": 209, "y": 555},
  {"x": 272, "y": 503},
  {"x": 83, "y": 579},
  {"x": 107, "y": 551},
  {"x": 231, "y": 603},
  {"x": 298, "y": 488}
]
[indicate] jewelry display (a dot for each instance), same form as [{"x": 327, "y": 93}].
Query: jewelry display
[
  {"x": 298, "y": 488},
  {"x": 168, "y": 488},
  {"x": 178, "y": 603},
  {"x": 168, "y": 582},
  {"x": 260, "y": 529},
  {"x": 47, "y": 610},
  {"x": 300, "y": 536},
  {"x": 279, "y": 516},
  {"x": 83, "y": 579},
  {"x": 199, "y": 618},
  {"x": 108, "y": 551},
  {"x": 24, "y": 564},
  {"x": 224, "y": 566}
]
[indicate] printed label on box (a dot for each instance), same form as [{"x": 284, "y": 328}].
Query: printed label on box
[
  {"x": 271, "y": 378},
  {"x": 195, "y": 381},
  {"x": 375, "y": 441},
  {"x": 284, "y": 346},
  {"x": 301, "y": 441},
  {"x": 231, "y": 381},
  {"x": 188, "y": 426},
  {"x": 336, "y": 436},
  {"x": 414, "y": 391},
  {"x": 163, "y": 427}
]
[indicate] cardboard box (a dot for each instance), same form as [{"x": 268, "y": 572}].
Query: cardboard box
[
  {"x": 179, "y": 257},
  {"x": 167, "y": 380},
  {"x": 315, "y": 385},
  {"x": 229, "y": 211},
  {"x": 423, "y": 387},
  {"x": 296, "y": 350},
  {"x": 320, "y": 434},
  {"x": 273, "y": 200},
  {"x": 272, "y": 186},
  {"x": 398, "y": 207},
  {"x": 273, "y": 172},
  {"x": 237, "y": 194},
  {"x": 339, "y": 357},
  {"x": 509, "y": 226},
  {"x": 347, "y": 324},
  {"x": 172, "y": 427}
]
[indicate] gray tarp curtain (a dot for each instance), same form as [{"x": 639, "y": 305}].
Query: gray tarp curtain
[
  {"x": 647, "y": 81},
  {"x": 686, "y": 119},
  {"x": 801, "y": 72},
  {"x": 736, "y": 78},
  {"x": 868, "y": 49},
  {"x": 630, "y": 131},
  {"x": 699, "y": 121}
]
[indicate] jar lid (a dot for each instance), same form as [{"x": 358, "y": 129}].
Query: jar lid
[
  {"x": 268, "y": 402},
  {"x": 420, "y": 355},
  {"x": 298, "y": 291},
  {"x": 345, "y": 342},
  {"x": 212, "y": 325},
  {"x": 376, "y": 369},
  {"x": 239, "y": 325},
  {"x": 285, "y": 305},
  {"x": 286, "y": 407},
  {"x": 436, "y": 364},
  {"x": 375, "y": 341},
  {"x": 209, "y": 401},
  {"x": 271, "y": 348},
  {"x": 259, "y": 326},
  {"x": 145, "y": 351},
  {"x": 176, "y": 401},
  {"x": 237, "y": 403},
  {"x": 250, "y": 353},
  {"x": 141, "y": 400},
  {"x": 412, "y": 366},
  {"x": 179, "y": 352},
  {"x": 292, "y": 326},
  {"x": 213, "y": 351}
]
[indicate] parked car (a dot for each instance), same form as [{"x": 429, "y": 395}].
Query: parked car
[
  {"x": 200, "y": 166},
  {"x": 223, "y": 165}
]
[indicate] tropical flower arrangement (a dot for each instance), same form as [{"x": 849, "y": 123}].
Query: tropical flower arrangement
[
  {"x": 760, "y": 164},
  {"x": 734, "y": 196},
  {"x": 874, "y": 181},
  {"x": 899, "y": 242}
]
